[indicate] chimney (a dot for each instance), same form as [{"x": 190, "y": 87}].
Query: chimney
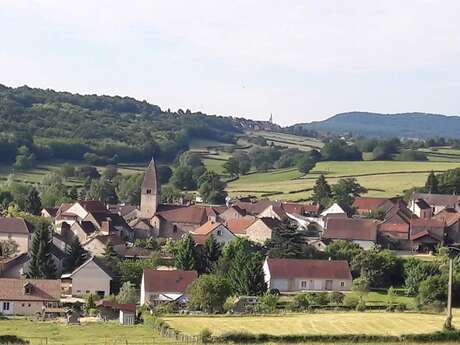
[{"x": 105, "y": 227}]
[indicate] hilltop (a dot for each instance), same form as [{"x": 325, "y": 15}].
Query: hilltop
[{"x": 403, "y": 125}]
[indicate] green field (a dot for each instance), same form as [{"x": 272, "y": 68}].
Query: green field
[
  {"x": 328, "y": 323},
  {"x": 382, "y": 178},
  {"x": 91, "y": 333}
]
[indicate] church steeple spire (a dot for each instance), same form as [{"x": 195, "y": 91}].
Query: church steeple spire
[{"x": 150, "y": 192}]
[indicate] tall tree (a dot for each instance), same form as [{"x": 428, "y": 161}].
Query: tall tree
[
  {"x": 432, "y": 184},
  {"x": 346, "y": 190},
  {"x": 211, "y": 253},
  {"x": 185, "y": 254},
  {"x": 322, "y": 192},
  {"x": 41, "y": 264},
  {"x": 232, "y": 166},
  {"x": 75, "y": 255},
  {"x": 34, "y": 204}
]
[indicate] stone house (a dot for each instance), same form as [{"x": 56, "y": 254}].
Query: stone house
[
  {"x": 18, "y": 230},
  {"x": 295, "y": 275},
  {"x": 359, "y": 231},
  {"x": 262, "y": 229}
]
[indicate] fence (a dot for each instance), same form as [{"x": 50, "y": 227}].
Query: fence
[{"x": 113, "y": 341}]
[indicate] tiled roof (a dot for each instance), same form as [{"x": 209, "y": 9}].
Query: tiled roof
[
  {"x": 159, "y": 281},
  {"x": 116, "y": 306},
  {"x": 101, "y": 264},
  {"x": 422, "y": 227},
  {"x": 368, "y": 204},
  {"x": 239, "y": 225},
  {"x": 93, "y": 206},
  {"x": 41, "y": 289},
  {"x": 15, "y": 226},
  {"x": 448, "y": 216},
  {"x": 199, "y": 239},
  {"x": 351, "y": 229},
  {"x": 438, "y": 199},
  {"x": 207, "y": 227},
  {"x": 271, "y": 222},
  {"x": 305, "y": 268},
  {"x": 422, "y": 204},
  {"x": 183, "y": 214}
]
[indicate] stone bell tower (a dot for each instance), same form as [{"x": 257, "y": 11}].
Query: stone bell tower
[{"x": 150, "y": 192}]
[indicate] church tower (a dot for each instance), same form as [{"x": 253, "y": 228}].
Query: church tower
[{"x": 150, "y": 192}]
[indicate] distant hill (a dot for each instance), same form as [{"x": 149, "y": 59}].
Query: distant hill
[{"x": 404, "y": 125}]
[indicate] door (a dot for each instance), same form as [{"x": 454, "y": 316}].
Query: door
[
  {"x": 328, "y": 285},
  {"x": 6, "y": 307}
]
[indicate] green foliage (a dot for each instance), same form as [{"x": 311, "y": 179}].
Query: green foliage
[
  {"x": 361, "y": 286},
  {"x": 336, "y": 297},
  {"x": 322, "y": 192},
  {"x": 412, "y": 155},
  {"x": 131, "y": 270},
  {"x": 205, "y": 335},
  {"x": 432, "y": 184},
  {"x": 339, "y": 150},
  {"x": 75, "y": 255},
  {"x": 41, "y": 264},
  {"x": 346, "y": 190},
  {"x": 305, "y": 164},
  {"x": 351, "y": 301},
  {"x": 211, "y": 253},
  {"x": 33, "y": 202},
  {"x": 127, "y": 294},
  {"x": 185, "y": 255},
  {"x": 433, "y": 289},
  {"x": 8, "y": 248},
  {"x": 416, "y": 271},
  {"x": 268, "y": 302},
  {"x": 211, "y": 188},
  {"x": 208, "y": 293},
  {"x": 90, "y": 302},
  {"x": 342, "y": 250}
]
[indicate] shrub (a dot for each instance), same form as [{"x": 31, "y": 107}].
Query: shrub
[
  {"x": 336, "y": 297},
  {"x": 229, "y": 303},
  {"x": 269, "y": 302},
  {"x": 92, "y": 312},
  {"x": 12, "y": 339},
  {"x": 205, "y": 335},
  {"x": 361, "y": 306},
  {"x": 164, "y": 308},
  {"x": 299, "y": 302},
  {"x": 319, "y": 298},
  {"x": 350, "y": 301},
  {"x": 401, "y": 307}
]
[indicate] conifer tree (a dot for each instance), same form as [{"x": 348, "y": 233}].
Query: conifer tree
[
  {"x": 185, "y": 254},
  {"x": 211, "y": 253},
  {"x": 432, "y": 183},
  {"x": 322, "y": 192},
  {"x": 41, "y": 264},
  {"x": 75, "y": 255},
  {"x": 33, "y": 202}
]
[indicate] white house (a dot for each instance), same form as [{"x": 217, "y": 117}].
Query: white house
[
  {"x": 159, "y": 286},
  {"x": 294, "y": 275},
  {"x": 218, "y": 230},
  {"x": 93, "y": 277}
]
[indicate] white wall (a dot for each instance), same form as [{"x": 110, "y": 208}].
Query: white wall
[{"x": 90, "y": 279}]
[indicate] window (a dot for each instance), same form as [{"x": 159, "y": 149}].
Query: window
[
  {"x": 28, "y": 305},
  {"x": 219, "y": 232},
  {"x": 303, "y": 284},
  {"x": 174, "y": 229},
  {"x": 100, "y": 293},
  {"x": 342, "y": 284},
  {"x": 23, "y": 304},
  {"x": 6, "y": 306},
  {"x": 148, "y": 191},
  {"x": 78, "y": 291},
  {"x": 87, "y": 291}
]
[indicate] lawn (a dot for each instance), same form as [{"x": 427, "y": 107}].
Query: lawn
[
  {"x": 54, "y": 333},
  {"x": 382, "y": 178},
  {"x": 372, "y": 323}
]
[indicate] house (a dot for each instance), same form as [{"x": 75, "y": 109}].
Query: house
[
  {"x": 427, "y": 234},
  {"x": 160, "y": 286},
  {"x": 451, "y": 218},
  {"x": 262, "y": 229},
  {"x": 437, "y": 202},
  {"x": 128, "y": 212},
  {"x": 394, "y": 230},
  {"x": 365, "y": 205},
  {"x": 93, "y": 276},
  {"x": 336, "y": 210},
  {"x": 421, "y": 208},
  {"x": 18, "y": 230},
  {"x": 13, "y": 267},
  {"x": 238, "y": 226},
  {"x": 28, "y": 296},
  {"x": 359, "y": 231},
  {"x": 218, "y": 230},
  {"x": 295, "y": 275},
  {"x": 97, "y": 245}
]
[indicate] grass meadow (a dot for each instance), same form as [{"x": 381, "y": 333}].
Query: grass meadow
[{"x": 327, "y": 323}]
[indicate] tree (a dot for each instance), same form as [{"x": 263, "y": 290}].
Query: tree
[
  {"x": 75, "y": 255},
  {"x": 211, "y": 253},
  {"x": 67, "y": 170},
  {"x": 211, "y": 188},
  {"x": 245, "y": 274},
  {"x": 73, "y": 193},
  {"x": 361, "y": 287},
  {"x": 185, "y": 257},
  {"x": 131, "y": 270},
  {"x": 127, "y": 294},
  {"x": 416, "y": 271},
  {"x": 6, "y": 198},
  {"x": 34, "y": 204},
  {"x": 232, "y": 167},
  {"x": 111, "y": 256},
  {"x": 41, "y": 264},
  {"x": 346, "y": 190},
  {"x": 305, "y": 164},
  {"x": 8, "y": 248},
  {"x": 269, "y": 301},
  {"x": 182, "y": 178},
  {"x": 103, "y": 190},
  {"x": 343, "y": 250},
  {"x": 432, "y": 183},
  {"x": 110, "y": 172},
  {"x": 322, "y": 192},
  {"x": 208, "y": 293}
]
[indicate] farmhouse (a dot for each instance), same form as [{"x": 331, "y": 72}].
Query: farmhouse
[
  {"x": 219, "y": 231},
  {"x": 359, "y": 231},
  {"x": 28, "y": 296},
  {"x": 162, "y": 286},
  {"x": 437, "y": 202},
  {"x": 18, "y": 230},
  {"x": 93, "y": 276},
  {"x": 427, "y": 234},
  {"x": 239, "y": 226},
  {"x": 262, "y": 229},
  {"x": 294, "y": 275}
]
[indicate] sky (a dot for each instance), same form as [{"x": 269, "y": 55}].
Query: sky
[{"x": 301, "y": 60}]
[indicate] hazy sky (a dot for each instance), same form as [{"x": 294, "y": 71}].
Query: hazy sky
[{"x": 300, "y": 60}]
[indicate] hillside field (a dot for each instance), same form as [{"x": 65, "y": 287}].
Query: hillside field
[{"x": 372, "y": 323}]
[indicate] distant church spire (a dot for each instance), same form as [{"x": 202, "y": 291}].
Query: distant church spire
[
  {"x": 150, "y": 192},
  {"x": 271, "y": 118}
]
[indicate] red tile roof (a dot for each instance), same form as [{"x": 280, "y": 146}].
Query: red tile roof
[
  {"x": 159, "y": 281},
  {"x": 421, "y": 227},
  {"x": 207, "y": 227},
  {"x": 116, "y": 306},
  {"x": 15, "y": 226},
  {"x": 450, "y": 217},
  {"x": 93, "y": 206},
  {"x": 304, "y": 268},
  {"x": 41, "y": 289},
  {"x": 368, "y": 204},
  {"x": 183, "y": 214},
  {"x": 239, "y": 225},
  {"x": 351, "y": 229}
]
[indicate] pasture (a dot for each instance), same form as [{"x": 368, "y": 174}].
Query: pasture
[
  {"x": 90, "y": 333},
  {"x": 381, "y": 178},
  {"x": 327, "y": 323}
]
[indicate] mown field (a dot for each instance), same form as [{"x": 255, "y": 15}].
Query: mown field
[
  {"x": 381, "y": 178},
  {"x": 90, "y": 333},
  {"x": 328, "y": 323}
]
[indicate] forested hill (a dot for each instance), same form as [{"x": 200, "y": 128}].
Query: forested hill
[
  {"x": 404, "y": 125},
  {"x": 62, "y": 125}
]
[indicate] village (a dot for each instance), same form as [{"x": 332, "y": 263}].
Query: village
[{"x": 417, "y": 228}]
